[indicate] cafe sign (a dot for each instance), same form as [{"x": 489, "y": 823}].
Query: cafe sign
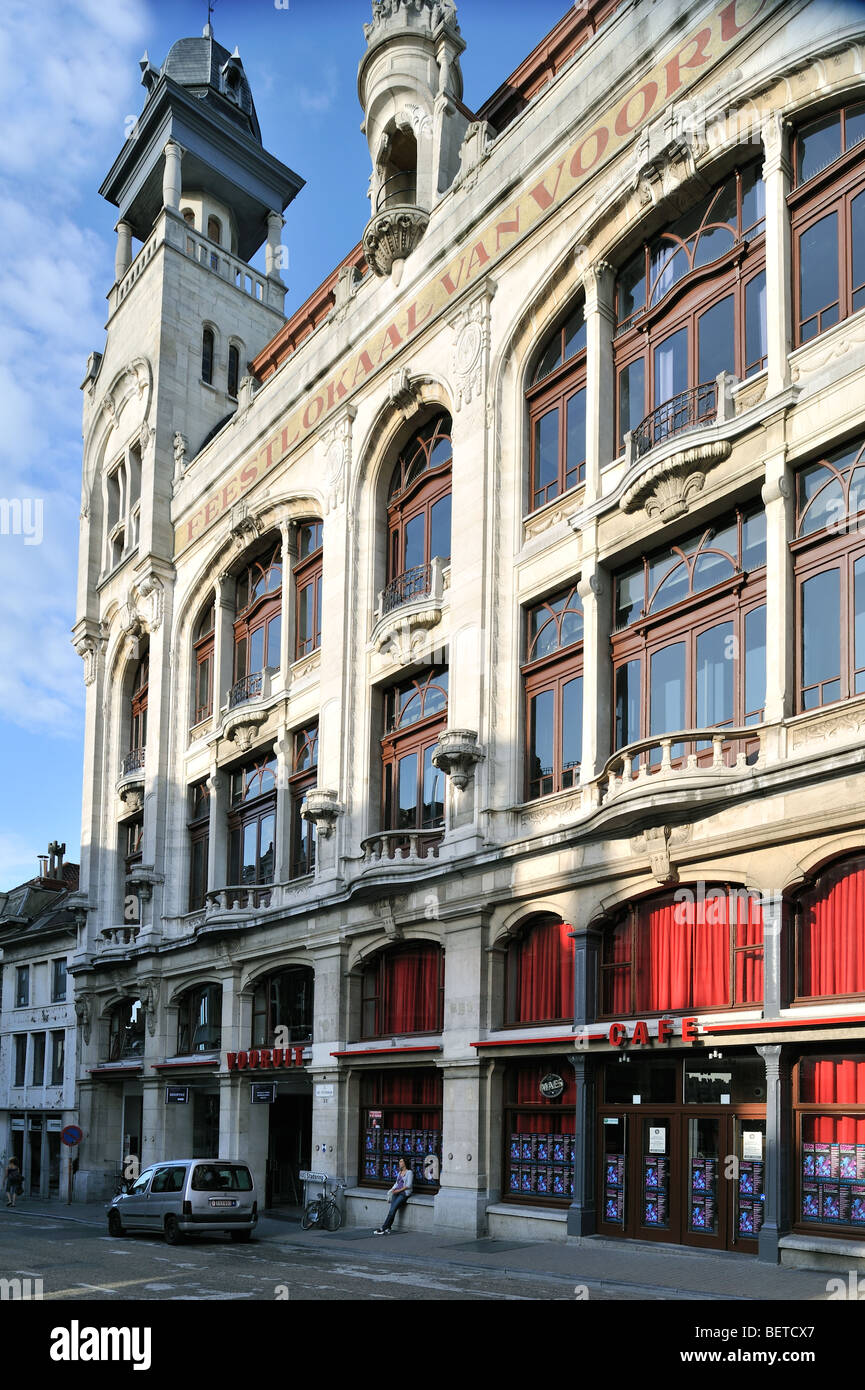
[{"x": 264, "y": 1058}]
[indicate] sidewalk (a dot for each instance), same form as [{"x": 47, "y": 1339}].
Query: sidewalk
[{"x": 671, "y": 1272}]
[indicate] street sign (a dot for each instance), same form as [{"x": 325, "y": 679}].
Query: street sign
[
  {"x": 177, "y": 1095},
  {"x": 262, "y": 1094},
  {"x": 71, "y": 1135}
]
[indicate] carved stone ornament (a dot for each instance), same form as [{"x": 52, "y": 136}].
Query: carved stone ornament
[
  {"x": 456, "y": 753},
  {"x": 244, "y": 528},
  {"x": 321, "y": 807},
  {"x": 148, "y": 993},
  {"x": 404, "y": 392},
  {"x": 132, "y": 793},
  {"x": 142, "y": 880},
  {"x": 399, "y": 15},
  {"x": 385, "y": 910},
  {"x": 661, "y": 177},
  {"x": 474, "y": 151},
  {"x": 471, "y": 329},
  {"x": 181, "y": 449},
  {"x": 666, "y": 489},
  {"x": 88, "y": 649},
  {"x": 241, "y": 727},
  {"x": 391, "y": 237},
  {"x": 149, "y": 599},
  {"x": 336, "y": 447},
  {"x": 659, "y": 842},
  {"x": 84, "y": 1013}
]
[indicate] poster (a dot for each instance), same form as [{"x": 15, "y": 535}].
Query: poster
[
  {"x": 657, "y": 1139},
  {"x": 752, "y": 1143}
]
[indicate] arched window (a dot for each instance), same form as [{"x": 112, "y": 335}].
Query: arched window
[
  {"x": 415, "y": 715},
  {"x": 419, "y": 512},
  {"x": 188, "y": 217},
  {"x": 829, "y": 921},
  {"x": 258, "y": 623},
  {"x": 207, "y": 356},
  {"x": 126, "y": 1030},
  {"x": 308, "y": 572},
  {"x": 233, "y": 369},
  {"x": 252, "y": 822},
  {"x": 214, "y": 230},
  {"x": 203, "y": 640},
  {"x": 138, "y": 714},
  {"x": 689, "y": 305},
  {"x": 282, "y": 1008},
  {"x": 695, "y": 949},
  {"x": 553, "y": 684},
  {"x": 827, "y": 212},
  {"x": 557, "y": 412},
  {"x": 199, "y": 1020},
  {"x": 402, "y": 991},
  {"x": 540, "y": 973},
  {"x": 689, "y": 640},
  {"x": 398, "y": 186},
  {"x": 829, "y": 558},
  {"x": 304, "y": 775}
]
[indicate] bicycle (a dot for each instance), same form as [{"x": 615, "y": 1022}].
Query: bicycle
[{"x": 323, "y": 1213}]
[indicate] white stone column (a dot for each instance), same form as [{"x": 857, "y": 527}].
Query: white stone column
[
  {"x": 217, "y": 847},
  {"x": 288, "y": 533},
  {"x": 283, "y": 749},
  {"x": 597, "y": 689},
  {"x": 171, "y": 184},
  {"x": 223, "y": 642},
  {"x": 460, "y": 1203},
  {"x": 123, "y": 254},
  {"x": 777, "y": 496},
  {"x": 777, "y": 171},
  {"x": 273, "y": 252},
  {"x": 598, "y": 281}
]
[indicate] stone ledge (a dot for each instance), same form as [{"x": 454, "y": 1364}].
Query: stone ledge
[{"x": 821, "y": 1252}]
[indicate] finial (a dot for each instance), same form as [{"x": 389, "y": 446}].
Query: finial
[{"x": 207, "y": 32}]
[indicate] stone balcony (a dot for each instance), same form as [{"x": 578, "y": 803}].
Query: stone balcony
[
  {"x": 410, "y": 604},
  {"x": 409, "y": 847}
]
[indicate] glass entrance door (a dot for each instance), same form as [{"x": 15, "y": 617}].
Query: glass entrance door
[{"x": 657, "y": 1209}]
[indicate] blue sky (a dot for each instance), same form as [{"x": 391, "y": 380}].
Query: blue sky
[{"x": 70, "y": 81}]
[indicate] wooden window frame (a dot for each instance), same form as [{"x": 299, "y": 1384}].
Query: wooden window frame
[
  {"x": 203, "y": 649},
  {"x": 513, "y": 965},
  {"x": 553, "y": 672},
  {"x": 198, "y": 827},
  {"x": 408, "y": 500},
  {"x": 803, "y": 1110},
  {"x": 187, "y": 1014},
  {"x": 793, "y": 908},
  {"x": 376, "y": 973},
  {"x": 257, "y": 613},
  {"x": 687, "y": 300},
  {"x": 416, "y": 737},
  {"x": 253, "y": 810},
  {"x": 372, "y": 1081},
  {"x": 138, "y": 705},
  {"x": 303, "y": 777},
  {"x": 553, "y": 392},
  {"x": 308, "y": 574},
  {"x": 263, "y": 1023},
  {"x": 630, "y": 914}
]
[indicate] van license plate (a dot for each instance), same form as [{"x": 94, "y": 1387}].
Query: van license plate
[{"x": 219, "y": 1202}]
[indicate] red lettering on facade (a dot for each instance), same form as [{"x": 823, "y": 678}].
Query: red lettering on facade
[
  {"x": 601, "y": 136},
  {"x": 285, "y": 442},
  {"x": 689, "y": 1030},
  {"x": 228, "y": 493},
  {"x": 264, "y": 1057},
  {"x": 649, "y": 93},
  {"x": 641, "y": 1035},
  {"x": 391, "y": 339},
  {"x": 479, "y": 253},
  {"x": 191, "y": 526},
  {"x": 363, "y": 368},
  {"x": 248, "y": 475},
  {"x": 502, "y": 227},
  {"x": 542, "y": 195},
  {"x": 665, "y": 1029},
  {"x": 211, "y": 510},
  {"x": 730, "y": 26},
  {"x": 336, "y": 389},
  {"x": 412, "y": 318},
  {"x": 307, "y": 422},
  {"x": 677, "y": 62},
  {"x": 298, "y": 1056},
  {"x": 231, "y": 1060},
  {"x": 618, "y": 1034},
  {"x": 447, "y": 281},
  {"x": 278, "y": 1056},
  {"x": 253, "y": 1057},
  {"x": 242, "y": 1060}
]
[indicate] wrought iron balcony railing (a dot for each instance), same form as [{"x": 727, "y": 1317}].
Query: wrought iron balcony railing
[
  {"x": 132, "y": 762},
  {"x": 413, "y": 583},
  {"x": 247, "y": 688},
  {"x": 399, "y": 191},
  {"x": 686, "y": 411}
]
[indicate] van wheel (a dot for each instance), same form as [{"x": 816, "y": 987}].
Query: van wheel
[
  {"x": 115, "y": 1225},
  {"x": 173, "y": 1233},
  {"x": 242, "y": 1237}
]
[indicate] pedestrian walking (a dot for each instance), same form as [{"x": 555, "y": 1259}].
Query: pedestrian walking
[
  {"x": 399, "y": 1195},
  {"x": 14, "y": 1182}
]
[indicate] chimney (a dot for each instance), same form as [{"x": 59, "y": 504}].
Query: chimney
[
  {"x": 43, "y": 865},
  {"x": 55, "y": 865}
]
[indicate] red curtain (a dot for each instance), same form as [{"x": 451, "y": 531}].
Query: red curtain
[
  {"x": 617, "y": 981},
  {"x": 414, "y": 1089},
  {"x": 556, "y": 1117},
  {"x": 833, "y": 1081},
  {"x": 749, "y": 963},
  {"x": 832, "y": 934},
  {"x": 413, "y": 991},
  {"x": 545, "y": 973},
  {"x": 683, "y": 952}
]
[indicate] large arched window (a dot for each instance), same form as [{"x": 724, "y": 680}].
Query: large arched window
[
  {"x": 415, "y": 715},
  {"x": 258, "y": 623},
  {"x": 198, "y": 826},
  {"x": 137, "y": 715},
  {"x": 304, "y": 775},
  {"x": 689, "y": 641},
  {"x": 691, "y": 304},
  {"x": 282, "y": 1008},
  {"x": 199, "y": 1020},
  {"x": 207, "y": 347},
  {"x": 827, "y": 212},
  {"x": 540, "y": 973},
  {"x": 829, "y": 923},
  {"x": 403, "y": 991},
  {"x": 419, "y": 512},
  {"x": 308, "y": 574},
  {"x": 829, "y": 558},
  {"x": 126, "y": 1030},
  {"x": 695, "y": 949},
  {"x": 553, "y": 684},
  {"x": 557, "y": 412},
  {"x": 252, "y": 822}
]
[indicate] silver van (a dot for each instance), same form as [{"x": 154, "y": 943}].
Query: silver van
[{"x": 186, "y": 1196}]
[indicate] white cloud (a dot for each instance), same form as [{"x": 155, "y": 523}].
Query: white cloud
[
  {"x": 63, "y": 100},
  {"x": 323, "y": 96}
]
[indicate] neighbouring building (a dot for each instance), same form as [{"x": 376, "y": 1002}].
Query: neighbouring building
[
  {"x": 38, "y": 936},
  {"x": 475, "y": 660}
]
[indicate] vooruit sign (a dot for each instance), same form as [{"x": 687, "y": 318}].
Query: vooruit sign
[{"x": 671, "y": 76}]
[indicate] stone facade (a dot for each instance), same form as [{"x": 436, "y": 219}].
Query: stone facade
[{"x": 654, "y": 106}]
